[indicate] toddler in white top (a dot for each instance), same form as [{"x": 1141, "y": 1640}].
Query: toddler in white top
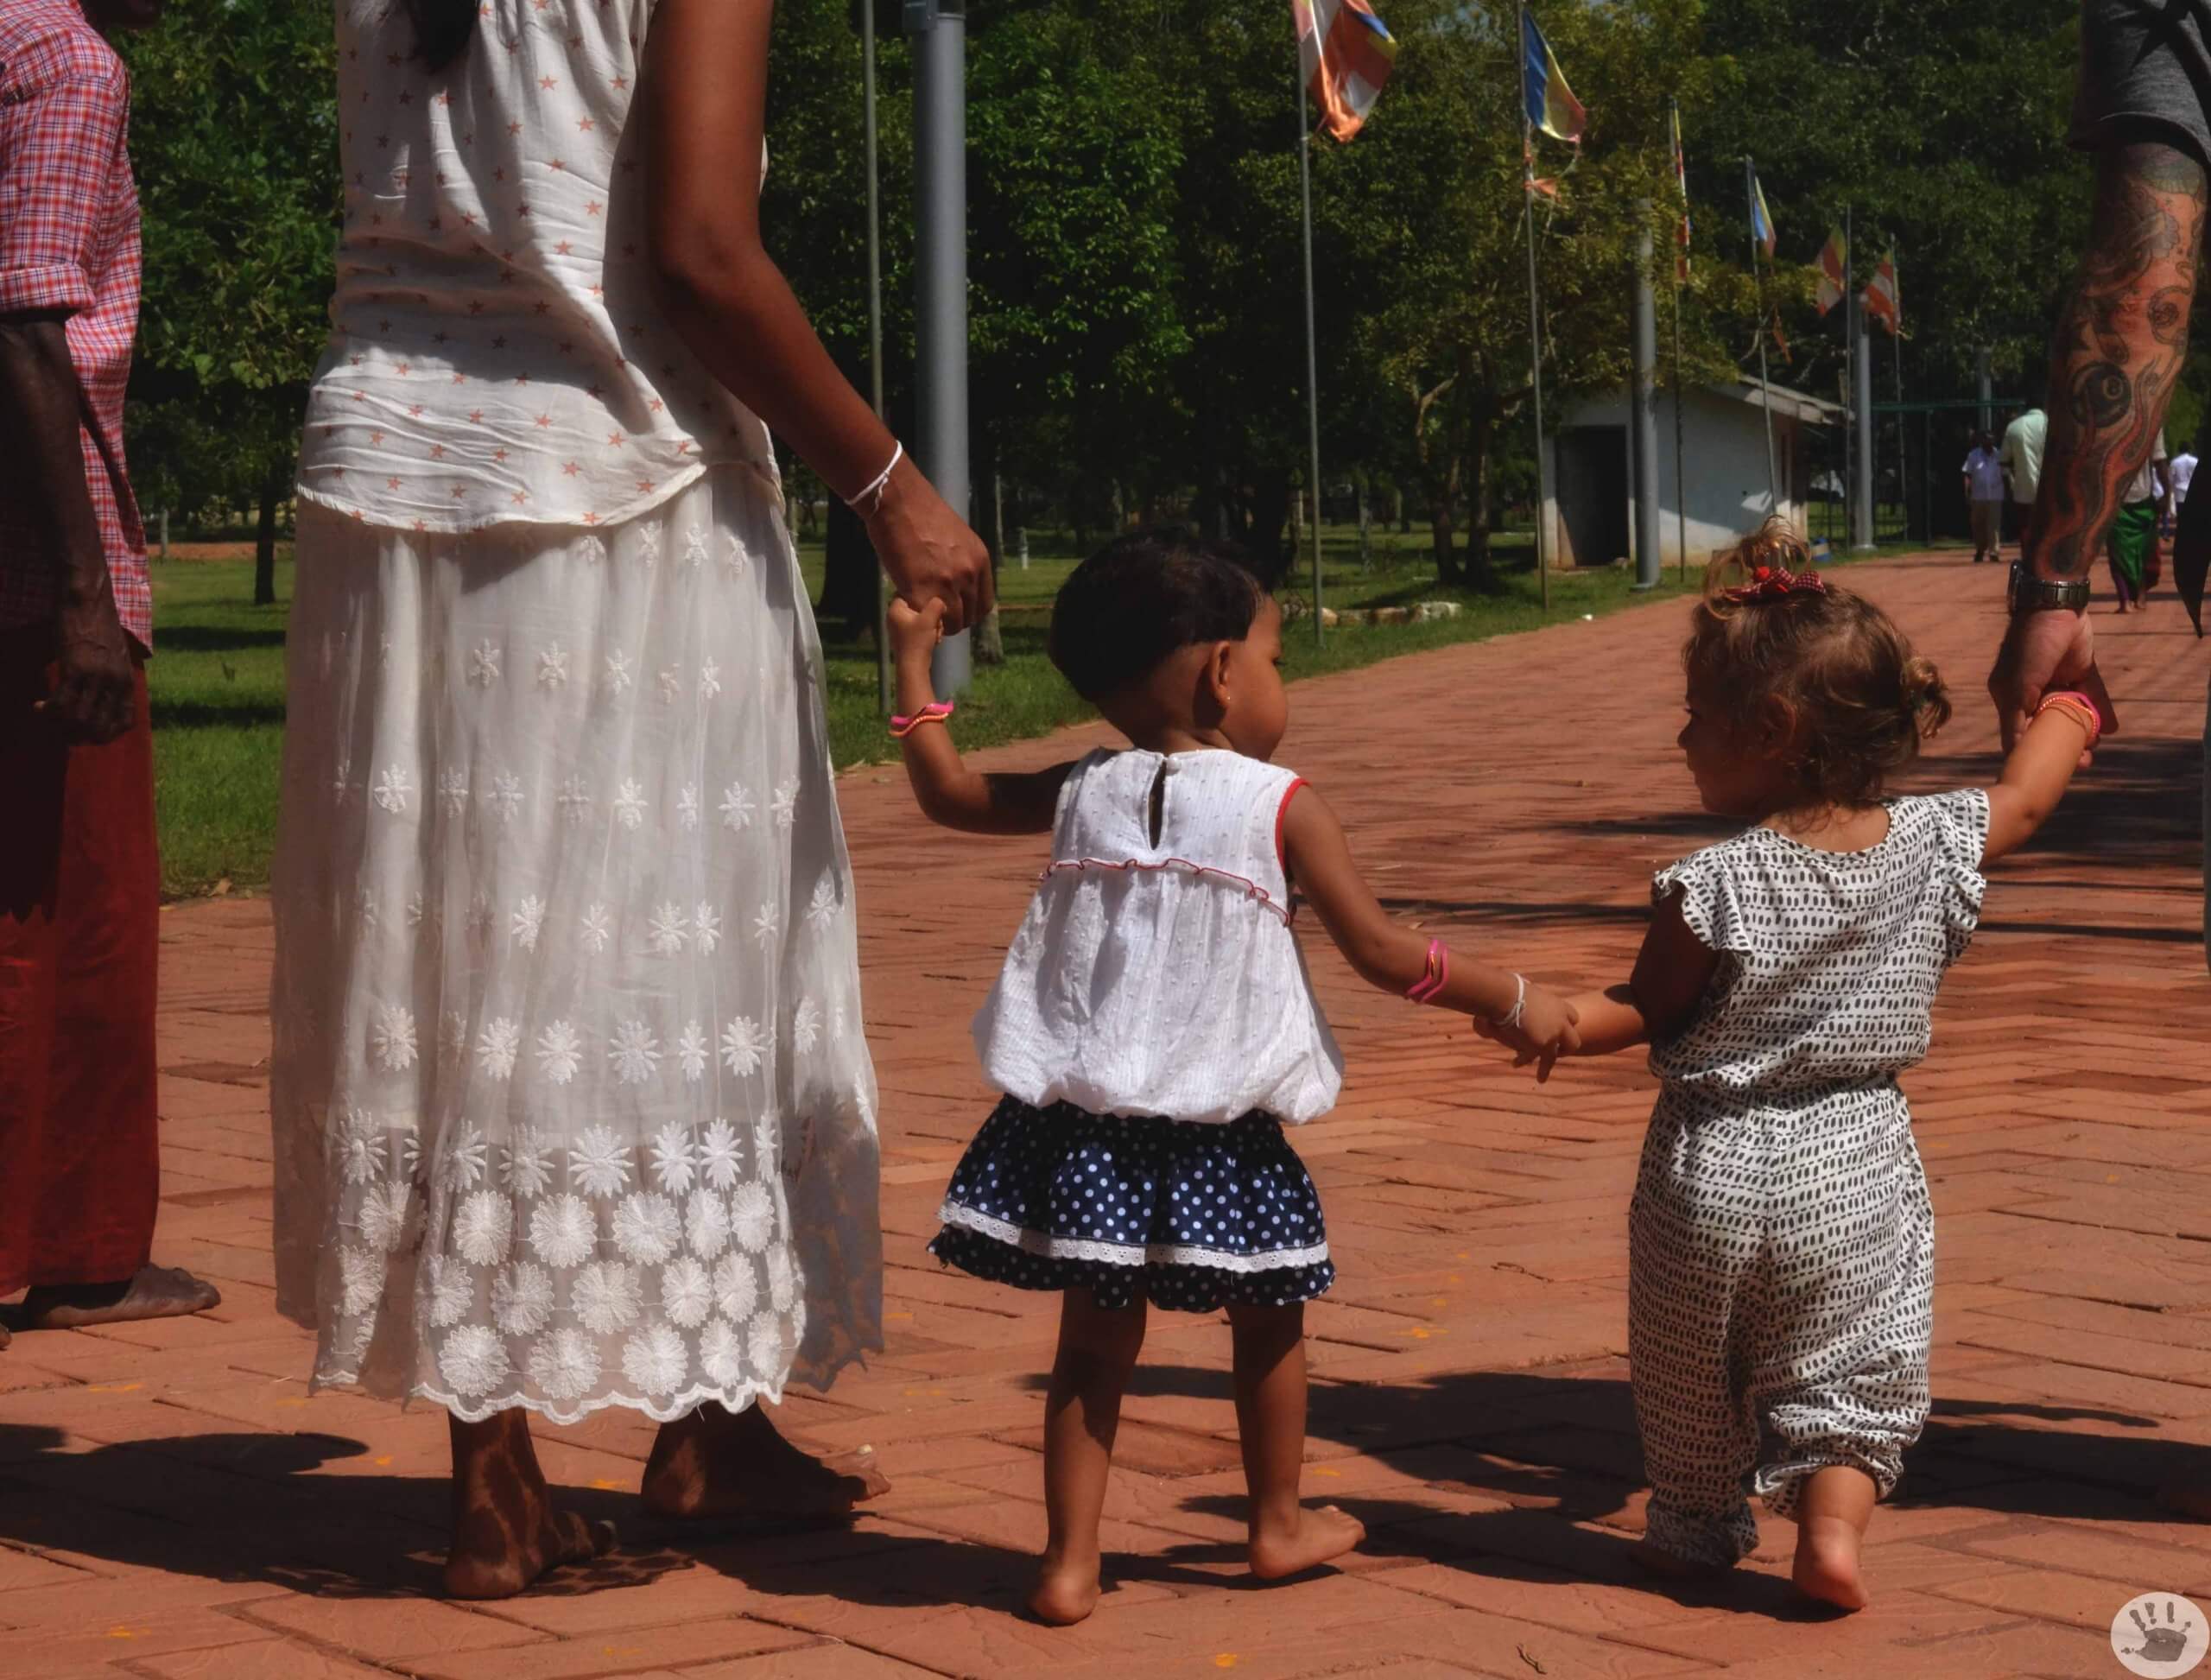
[{"x": 1154, "y": 1026}]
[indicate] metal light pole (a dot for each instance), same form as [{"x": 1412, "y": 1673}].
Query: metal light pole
[
  {"x": 1642, "y": 429},
  {"x": 874, "y": 332},
  {"x": 938, "y": 29}
]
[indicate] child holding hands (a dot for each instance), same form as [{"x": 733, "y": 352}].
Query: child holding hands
[
  {"x": 1154, "y": 1028},
  {"x": 1781, "y": 1242}
]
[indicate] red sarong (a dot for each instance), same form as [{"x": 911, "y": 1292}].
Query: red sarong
[{"x": 80, "y": 923}]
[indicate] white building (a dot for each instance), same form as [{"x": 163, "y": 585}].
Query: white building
[{"x": 1589, "y": 519}]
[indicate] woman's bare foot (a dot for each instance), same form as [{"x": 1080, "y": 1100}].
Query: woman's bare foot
[
  {"x": 150, "y": 1292},
  {"x": 1065, "y": 1593},
  {"x": 1657, "y": 1560},
  {"x": 715, "y": 1463},
  {"x": 1826, "y": 1563},
  {"x": 506, "y": 1530},
  {"x": 2189, "y": 1499},
  {"x": 1311, "y": 1536}
]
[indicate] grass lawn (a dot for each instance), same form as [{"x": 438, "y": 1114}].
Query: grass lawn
[{"x": 217, "y": 679}]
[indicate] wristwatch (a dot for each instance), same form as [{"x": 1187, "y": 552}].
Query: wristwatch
[{"x": 2030, "y": 593}]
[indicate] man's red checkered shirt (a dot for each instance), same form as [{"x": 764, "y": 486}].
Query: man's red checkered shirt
[{"x": 69, "y": 245}]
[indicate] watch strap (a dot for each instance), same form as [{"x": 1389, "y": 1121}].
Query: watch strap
[{"x": 2030, "y": 594}]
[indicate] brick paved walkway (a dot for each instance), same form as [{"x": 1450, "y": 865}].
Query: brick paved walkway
[{"x": 172, "y": 1503}]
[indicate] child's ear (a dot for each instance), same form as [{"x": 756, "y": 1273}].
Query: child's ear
[{"x": 1216, "y": 674}]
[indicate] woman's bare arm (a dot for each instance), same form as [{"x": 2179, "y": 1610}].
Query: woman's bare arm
[{"x": 702, "y": 96}]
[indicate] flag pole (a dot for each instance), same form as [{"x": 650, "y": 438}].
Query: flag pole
[
  {"x": 1904, "y": 468},
  {"x": 1765, "y": 384},
  {"x": 1850, "y": 396},
  {"x": 1680, "y": 257},
  {"x": 1535, "y": 314},
  {"x": 1311, "y": 350}
]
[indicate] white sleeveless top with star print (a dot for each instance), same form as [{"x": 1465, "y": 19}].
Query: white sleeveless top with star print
[
  {"x": 495, "y": 354},
  {"x": 1828, "y": 961},
  {"x": 1155, "y": 973}
]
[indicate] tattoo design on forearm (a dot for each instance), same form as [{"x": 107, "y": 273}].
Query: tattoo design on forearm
[{"x": 2117, "y": 350}]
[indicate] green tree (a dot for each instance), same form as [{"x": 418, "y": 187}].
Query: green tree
[{"x": 233, "y": 136}]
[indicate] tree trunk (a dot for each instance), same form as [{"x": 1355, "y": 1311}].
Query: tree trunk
[
  {"x": 1269, "y": 516},
  {"x": 264, "y": 537},
  {"x": 849, "y": 575},
  {"x": 1481, "y": 512},
  {"x": 1439, "y": 528}
]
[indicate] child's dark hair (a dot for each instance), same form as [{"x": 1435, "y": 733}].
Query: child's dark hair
[
  {"x": 1143, "y": 596},
  {"x": 1863, "y": 701}
]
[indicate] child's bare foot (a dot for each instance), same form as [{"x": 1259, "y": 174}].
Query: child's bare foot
[
  {"x": 1826, "y": 1563},
  {"x": 1065, "y": 1593},
  {"x": 1311, "y": 1536},
  {"x": 1658, "y": 1561},
  {"x": 719, "y": 1464}
]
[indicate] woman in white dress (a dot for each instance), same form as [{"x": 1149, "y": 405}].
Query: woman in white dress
[{"x": 572, "y": 1106}]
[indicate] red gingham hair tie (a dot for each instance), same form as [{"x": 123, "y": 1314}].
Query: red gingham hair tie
[{"x": 1774, "y": 583}]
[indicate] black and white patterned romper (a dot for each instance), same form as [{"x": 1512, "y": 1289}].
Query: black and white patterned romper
[{"x": 1781, "y": 1244}]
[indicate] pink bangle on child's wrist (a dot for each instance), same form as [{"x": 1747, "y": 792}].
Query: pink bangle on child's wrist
[
  {"x": 1435, "y": 977},
  {"x": 935, "y": 712},
  {"x": 2078, "y": 706}
]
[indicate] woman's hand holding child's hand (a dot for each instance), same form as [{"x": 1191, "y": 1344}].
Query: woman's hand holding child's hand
[{"x": 914, "y": 632}]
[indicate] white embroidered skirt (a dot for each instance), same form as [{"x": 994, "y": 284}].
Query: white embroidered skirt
[{"x": 571, "y": 1101}]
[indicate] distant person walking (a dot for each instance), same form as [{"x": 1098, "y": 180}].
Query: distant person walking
[
  {"x": 2180, "y": 472},
  {"x": 2021, "y": 456},
  {"x": 1984, "y": 487},
  {"x": 2132, "y": 550},
  {"x": 79, "y": 880}
]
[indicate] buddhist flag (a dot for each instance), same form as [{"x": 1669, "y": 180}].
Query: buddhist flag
[
  {"x": 1761, "y": 217},
  {"x": 1882, "y": 298},
  {"x": 1551, "y": 105},
  {"x": 1834, "y": 257},
  {"x": 1780, "y": 341},
  {"x": 1347, "y": 55},
  {"x": 1681, "y": 191}
]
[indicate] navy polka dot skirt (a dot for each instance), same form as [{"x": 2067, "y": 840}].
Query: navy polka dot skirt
[{"x": 1190, "y": 1218}]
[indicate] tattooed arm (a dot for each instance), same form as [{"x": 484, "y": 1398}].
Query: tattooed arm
[{"x": 2118, "y": 353}]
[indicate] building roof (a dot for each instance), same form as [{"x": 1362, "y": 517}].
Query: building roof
[
  {"x": 1748, "y": 389},
  {"x": 1781, "y": 399}
]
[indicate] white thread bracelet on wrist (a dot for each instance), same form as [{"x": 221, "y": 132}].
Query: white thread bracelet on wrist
[
  {"x": 873, "y": 492},
  {"x": 1512, "y": 1021}
]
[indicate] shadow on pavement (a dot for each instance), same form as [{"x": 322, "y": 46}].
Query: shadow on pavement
[
  {"x": 263, "y": 1508},
  {"x": 1521, "y": 1475}
]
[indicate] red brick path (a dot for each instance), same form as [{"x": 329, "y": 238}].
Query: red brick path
[{"x": 172, "y": 1503}]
